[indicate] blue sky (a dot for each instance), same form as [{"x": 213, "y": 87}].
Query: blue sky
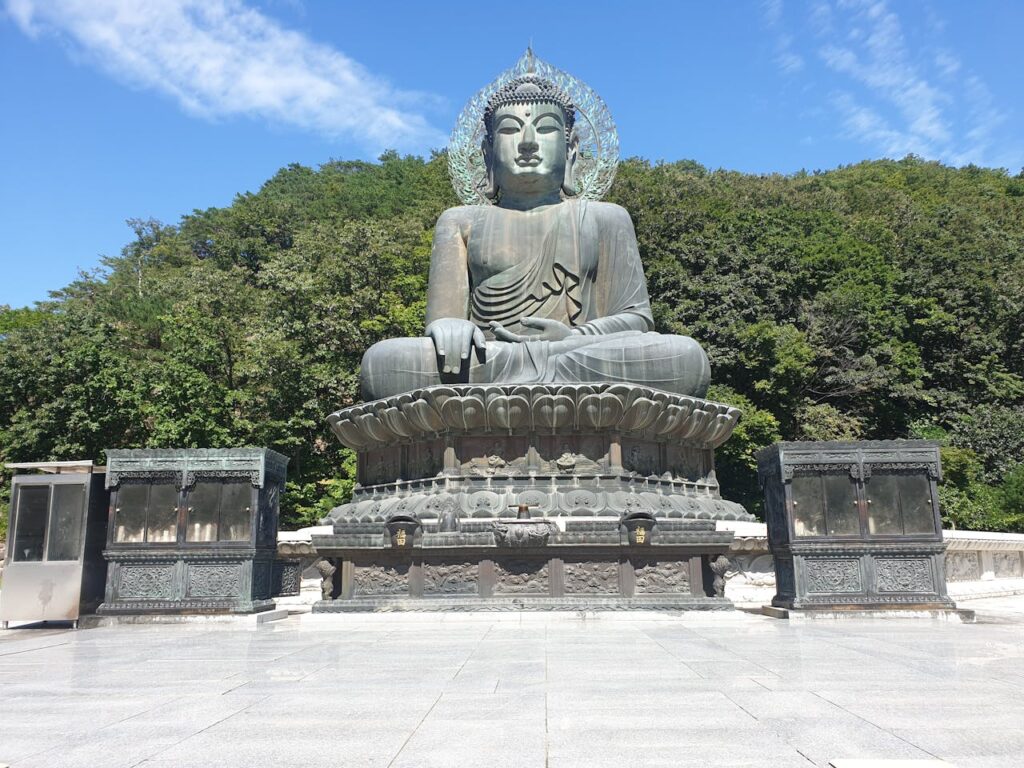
[{"x": 151, "y": 108}]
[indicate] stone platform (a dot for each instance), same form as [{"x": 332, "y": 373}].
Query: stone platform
[
  {"x": 587, "y": 466},
  {"x": 517, "y": 690}
]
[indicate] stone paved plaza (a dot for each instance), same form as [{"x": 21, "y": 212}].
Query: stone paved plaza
[{"x": 719, "y": 690}]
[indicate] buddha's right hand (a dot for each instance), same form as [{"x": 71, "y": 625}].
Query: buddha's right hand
[{"x": 453, "y": 339}]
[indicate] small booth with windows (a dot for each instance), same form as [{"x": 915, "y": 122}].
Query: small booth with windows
[
  {"x": 855, "y": 524},
  {"x": 54, "y": 569},
  {"x": 192, "y": 530}
]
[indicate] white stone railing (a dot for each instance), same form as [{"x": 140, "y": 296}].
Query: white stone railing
[{"x": 978, "y": 564}]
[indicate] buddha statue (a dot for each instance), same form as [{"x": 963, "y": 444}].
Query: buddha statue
[{"x": 536, "y": 284}]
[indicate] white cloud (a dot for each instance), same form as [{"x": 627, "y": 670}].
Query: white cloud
[
  {"x": 947, "y": 63},
  {"x": 865, "y": 124},
  {"x": 880, "y": 61},
  {"x": 787, "y": 59},
  {"x": 984, "y": 119},
  {"x": 218, "y": 58},
  {"x": 906, "y": 101}
]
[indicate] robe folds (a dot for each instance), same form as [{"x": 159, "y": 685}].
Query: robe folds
[{"x": 576, "y": 262}]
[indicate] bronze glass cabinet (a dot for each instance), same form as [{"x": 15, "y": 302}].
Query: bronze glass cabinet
[
  {"x": 192, "y": 530},
  {"x": 855, "y": 524},
  {"x": 54, "y": 568}
]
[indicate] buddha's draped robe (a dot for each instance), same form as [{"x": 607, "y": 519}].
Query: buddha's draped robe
[{"x": 576, "y": 262}]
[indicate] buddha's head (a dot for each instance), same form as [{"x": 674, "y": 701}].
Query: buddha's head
[{"x": 530, "y": 143}]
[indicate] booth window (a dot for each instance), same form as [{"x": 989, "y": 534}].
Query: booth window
[
  {"x": 824, "y": 505},
  {"x": 68, "y": 508},
  {"x": 146, "y": 513},
  {"x": 219, "y": 512},
  {"x": 30, "y": 525},
  {"x": 899, "y": 504},
  {"x": 895, "y": 504},
  {"x": 49, "y": 519}
]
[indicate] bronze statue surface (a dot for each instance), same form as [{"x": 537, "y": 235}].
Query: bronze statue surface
[{"x": 540, "y": 283}]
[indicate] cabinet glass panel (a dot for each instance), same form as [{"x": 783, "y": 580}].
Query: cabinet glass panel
[
  {"x": 130, "y": 513},
  {"x": 162, "y": 520},
  {"x": 65, "y": 542},
  {"x": 203, "y": 507},
  {"x": 235, "y": 511},
  {"x": 916, "y": 502},
  {"x": 883, "y": 496},
  {"x": 30, "y": 526},
  {"x": 841, "y": 509},
  {"x": 808, "y": 506}
]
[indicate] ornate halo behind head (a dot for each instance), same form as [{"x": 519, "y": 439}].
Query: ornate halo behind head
[{"x": 598, "y": 156}]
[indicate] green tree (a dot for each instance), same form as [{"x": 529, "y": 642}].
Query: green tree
[{"x": 878, "y": 300}]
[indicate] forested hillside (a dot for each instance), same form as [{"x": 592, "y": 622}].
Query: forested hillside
[{"x": 879, "y": 300}]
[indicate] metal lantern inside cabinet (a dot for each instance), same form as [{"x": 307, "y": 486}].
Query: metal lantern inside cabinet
[
  {"x": 192, "y": 530},
  {"x": 855, "y": 524},
  {"x": 54, "y": 568}
]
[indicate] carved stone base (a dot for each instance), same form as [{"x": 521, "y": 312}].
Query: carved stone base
[
  {"x": 170, "y": 582},
  {"x": 535, "y": 564},
  {"x": 870, "y": 576},
  {"x": 567, "y": 603},
  {"x": 601, "y": 450},
  {"x": 613, "y": 488}
]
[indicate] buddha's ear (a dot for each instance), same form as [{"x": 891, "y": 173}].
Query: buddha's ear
[
  {"x": 488, "y": 188},
  {"x": 572, "y": 149}
]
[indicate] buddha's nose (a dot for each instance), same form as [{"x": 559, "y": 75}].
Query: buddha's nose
[{"x": 529, "y": 140}]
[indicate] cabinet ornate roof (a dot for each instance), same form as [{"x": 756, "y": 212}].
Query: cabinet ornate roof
[{"x": 262, "y": 466}]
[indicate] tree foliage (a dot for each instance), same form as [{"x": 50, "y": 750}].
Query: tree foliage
[{"x": 880, "y": 300}]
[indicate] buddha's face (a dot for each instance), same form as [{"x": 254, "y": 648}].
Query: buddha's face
[{"x": 529, "y": 148}]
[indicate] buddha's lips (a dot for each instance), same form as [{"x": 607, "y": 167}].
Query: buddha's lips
[{"x": 528, "y": 161}]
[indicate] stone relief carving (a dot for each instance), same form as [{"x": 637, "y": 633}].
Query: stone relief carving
[
  {"x": 653, "y": 577},
  {"x": 381, "y": 579},
  {"x": 520, "y": 577},
  {"x": 450, "y": 579},
  {"x": 143, "y": 477},
  {"x": 425, "y": 459},
  {"x": 326, "y": 569},
  {"x": 833, "y": 575},
  {"x": 902, "y": 466},
  {"x": 213, "y": 580},
  {"x": 1006, "y": 565},
  {"x": 855, "y": 471},
  {"x": 641, "y": 458},
  {"x": 287, "y": 578},
  {"x": 252, "y": 475},
  {"x": 903, "y": 575},
  {"x": 522, "y": 534},
  {"x": 591, "y": 578},
  {"x": 719, "y": 567},
  {"x": 570, "y": 501},
  {"x": 962, "y": 566},
  {"x": 381, "y": 466},
  {"x": 149, "y": 582}
]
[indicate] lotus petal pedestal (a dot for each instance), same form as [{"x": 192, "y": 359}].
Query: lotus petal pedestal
[{"x": 585, "y": 462}]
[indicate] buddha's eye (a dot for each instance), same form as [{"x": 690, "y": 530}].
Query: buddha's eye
[
  {"x": 548, "y": 128},
  {"x": 509, "y": 125}
]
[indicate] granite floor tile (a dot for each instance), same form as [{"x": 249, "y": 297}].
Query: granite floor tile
[{"x": 679, "y": 690}]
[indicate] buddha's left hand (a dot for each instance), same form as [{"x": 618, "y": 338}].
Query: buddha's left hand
[{"x": 550, "y": 330}]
